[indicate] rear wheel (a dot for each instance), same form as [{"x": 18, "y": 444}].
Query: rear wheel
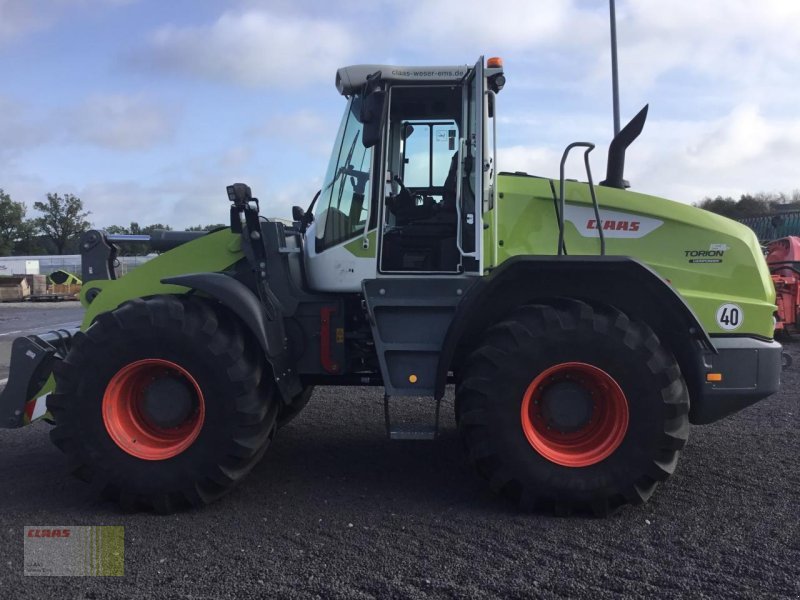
[
  {"x": 163, "y": 403},
  {"x": 573, "y": 408}
]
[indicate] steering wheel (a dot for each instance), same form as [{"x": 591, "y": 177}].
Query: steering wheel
[{"x": 407, "y": 195}]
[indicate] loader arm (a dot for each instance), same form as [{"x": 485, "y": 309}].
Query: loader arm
[{"x": 33, "y": 356}]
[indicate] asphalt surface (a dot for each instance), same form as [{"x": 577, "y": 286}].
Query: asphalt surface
[
  {"x": 336, "y": 511},
  {"x": 17, "y": 318}
]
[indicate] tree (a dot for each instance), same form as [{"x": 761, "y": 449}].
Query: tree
[
  {"x": 62, "y": 219},
  {"x": 11, "y": 220},
  {"x": 751, "y": 205},
  {"x": 205, "y": 227},
  {"x": 722, "y": 206},
  {"x": 28, "y": 242}
]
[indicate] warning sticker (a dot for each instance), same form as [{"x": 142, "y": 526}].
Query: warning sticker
[{"x": 729, "y": 316}]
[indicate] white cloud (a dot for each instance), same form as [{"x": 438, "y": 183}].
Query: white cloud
[
  {"x": 20, "y": 128},
  {"x": 512, "y": 24},
  {"x": 111, "y": 121},
  {"x": 21, "y": 17},
  {"x": 119, "y": 122},
  {"x": 312, "y": 131},
  {"x": 18, "y": 17},
  {"x": 534, "y": 160},
  {"x": 733, "y": 43},
  {"x": 254, "y": 48},
  {"x": 742, "y": 152},
  {"x": 742, "y": 136}
]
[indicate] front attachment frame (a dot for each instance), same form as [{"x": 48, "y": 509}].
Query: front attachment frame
[{"x": 30, "y": 374}]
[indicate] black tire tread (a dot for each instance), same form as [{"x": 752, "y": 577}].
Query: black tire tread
[
  {"x": 526, "y": 324},
  {"x": 249, "y": 381}
]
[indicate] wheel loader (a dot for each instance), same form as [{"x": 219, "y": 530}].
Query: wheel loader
[{"x": 584, "y": 327}]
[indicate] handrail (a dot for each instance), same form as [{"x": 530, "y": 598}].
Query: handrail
[
  {"x": 495, "y": 207},
  {"x": 589, "y": 147},
  {"x": 459, "y": 188}
]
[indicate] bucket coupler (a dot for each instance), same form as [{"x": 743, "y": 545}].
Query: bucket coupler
[{"x": 29, "y": 379}]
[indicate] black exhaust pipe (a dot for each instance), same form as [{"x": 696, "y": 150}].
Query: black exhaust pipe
[{"x": 616, "y": 151}]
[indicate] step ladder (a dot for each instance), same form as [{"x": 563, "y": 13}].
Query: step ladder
[
  {"x": 409, "y": 318},
  {"x": 411, "y": 431}
]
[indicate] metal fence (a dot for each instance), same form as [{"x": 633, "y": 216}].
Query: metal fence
[
  {"x": 774, "y": 226},
  {"x": 72, "y": 262}
]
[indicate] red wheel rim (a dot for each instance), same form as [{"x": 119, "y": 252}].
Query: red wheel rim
[
  {"x": 592, "y": 441},
  {"x": 125, "y": 419}
]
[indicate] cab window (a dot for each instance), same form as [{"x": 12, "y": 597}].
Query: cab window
[
  {"x": 428, "y": 150},
  {"x": 343, "y": 203}
]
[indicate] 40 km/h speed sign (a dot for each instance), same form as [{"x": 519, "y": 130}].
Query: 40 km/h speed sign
[{"x": 729, "y": 316}]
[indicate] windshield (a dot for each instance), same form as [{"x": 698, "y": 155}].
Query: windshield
[{"x": 342, "y": 208}]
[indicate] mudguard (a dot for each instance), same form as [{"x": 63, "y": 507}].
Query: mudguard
[
  {"x": 266, "y": 328},
  {"x": 619, "y": 281}
]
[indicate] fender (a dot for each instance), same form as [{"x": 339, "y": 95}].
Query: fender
[
  {"x": 246, "y": 305},
  {"x": 618, "y": 281}
]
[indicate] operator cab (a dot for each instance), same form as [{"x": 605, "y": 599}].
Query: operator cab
[
  {"x": 420, "y": 220},
  {"x": 410, "y": 176}
]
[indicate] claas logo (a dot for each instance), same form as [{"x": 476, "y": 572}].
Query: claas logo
[
  {"x": 615, "y": 225},
  {"x": 48, "y": 533}
]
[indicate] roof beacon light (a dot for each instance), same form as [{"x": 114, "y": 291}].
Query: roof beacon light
[{"x": 495, "y": 63}]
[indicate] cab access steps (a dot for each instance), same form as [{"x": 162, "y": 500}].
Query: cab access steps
[{"x": 409, "y": 318}]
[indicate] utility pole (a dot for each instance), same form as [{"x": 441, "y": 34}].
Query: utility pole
[{"x": 614, "y": 73}]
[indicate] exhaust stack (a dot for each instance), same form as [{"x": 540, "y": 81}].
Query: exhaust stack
[{"x": 616, "y": 151}]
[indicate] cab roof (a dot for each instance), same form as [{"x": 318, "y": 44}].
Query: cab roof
[{"x": 350, "y": 80}]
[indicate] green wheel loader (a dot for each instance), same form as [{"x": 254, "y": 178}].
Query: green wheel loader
[{"x": 584, "y": 326}]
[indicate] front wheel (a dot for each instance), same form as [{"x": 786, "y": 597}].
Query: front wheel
[
  {"x": 569, "y": 407},
  {"x": 163, "y": 403},
  {"x": 287, "y": 413}
]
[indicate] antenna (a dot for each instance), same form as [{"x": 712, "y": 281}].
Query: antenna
[{"x": 614, "y": 71}]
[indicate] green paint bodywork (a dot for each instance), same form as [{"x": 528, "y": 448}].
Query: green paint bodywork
[
  {"x": 356, "y": 246},
  {"x": 211, "y": 253},
  {"x": 527, "y": 224},
  {"x": 214, "y": 252}
]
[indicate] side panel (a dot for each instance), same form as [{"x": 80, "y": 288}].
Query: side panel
[
  {"x": 409, "y": 318},
  {"x": 341, "y": 268},
  {"x": 709, "y": 260}
]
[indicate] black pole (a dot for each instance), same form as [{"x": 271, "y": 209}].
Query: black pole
[{"x": 614, "y": 73}]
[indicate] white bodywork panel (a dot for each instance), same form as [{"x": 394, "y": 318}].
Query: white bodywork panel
[{"x": 336, "y": 269}]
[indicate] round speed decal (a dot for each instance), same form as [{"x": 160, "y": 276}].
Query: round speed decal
[{"x": 729, "y": 316}]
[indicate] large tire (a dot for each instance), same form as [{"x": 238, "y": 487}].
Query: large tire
[
  {"x": 572, "y": 408},
  {"x": 288, "y": 412},
  {"x": 164, "y": 403}
]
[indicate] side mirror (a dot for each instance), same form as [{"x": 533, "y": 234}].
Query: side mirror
[
  {"x": 372, "y": 117},
  {"x": 298, "y": 213}
]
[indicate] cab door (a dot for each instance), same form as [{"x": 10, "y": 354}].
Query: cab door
[{"x": 339, "y": 250}]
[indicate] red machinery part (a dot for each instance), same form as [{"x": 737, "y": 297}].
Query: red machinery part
[
  {"x": 325, "y": 353},
  {"x": 781, "y": 254},
  {"x": 783, "y": 258}
]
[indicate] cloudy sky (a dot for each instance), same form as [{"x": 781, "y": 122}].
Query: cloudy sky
[{"x": 148, "y": 109}]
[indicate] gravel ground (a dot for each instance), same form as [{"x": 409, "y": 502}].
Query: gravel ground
[{"x": 337, "y": 511}]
